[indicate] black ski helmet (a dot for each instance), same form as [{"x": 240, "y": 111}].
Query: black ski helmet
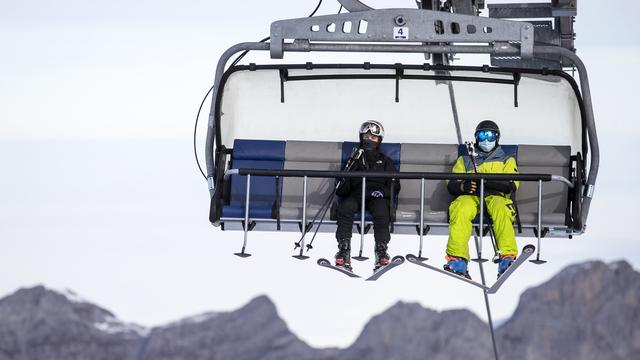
[{"x": 488, "y": 125}]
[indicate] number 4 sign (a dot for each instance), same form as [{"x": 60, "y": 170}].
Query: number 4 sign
[{"x": 400, "y": 33}]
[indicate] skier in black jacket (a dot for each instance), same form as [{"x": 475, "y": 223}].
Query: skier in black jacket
[{"x": 378, "y": 195}]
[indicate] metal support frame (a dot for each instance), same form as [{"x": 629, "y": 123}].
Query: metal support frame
[
  {"x": 556, "y": 8},
  {"x": 396, "y": 175},
  {"x": 557, "y": 32},
  {"x": 480, "y": 259},
  {"x": 421, "y": 230},
  {"x": 242, "y": 253},
  {"x": 301, "y": 255},
  {"x": 422, "y": 26},
  {"x": 467, "y": 7},
  {"x": 537, "y": 261},
  {"x": 391, "y": 175},
  {"x": 362, "y": 213}
]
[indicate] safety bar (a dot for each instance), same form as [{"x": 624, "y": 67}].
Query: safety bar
[
  {"x": 306, "y": 174},
  {"x": 397, "y": 175}
]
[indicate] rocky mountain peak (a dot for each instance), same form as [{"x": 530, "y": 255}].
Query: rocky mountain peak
[
  {"x": 409, "y": 331},
  {"x": 261, "y": 306},
  {"x": 587, "y": 311},
  {"x": 39, "y": 302}
]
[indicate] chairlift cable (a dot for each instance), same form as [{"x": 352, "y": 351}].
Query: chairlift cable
[
  {"x": 237, "y": 60},
  {"x": 195, "y": 128},
  {"x": 454, "y": 110},
  {"x": 195, "y": 132},
  {"x": 316, "y": 9},
  {"x": 472, "y": 156}
]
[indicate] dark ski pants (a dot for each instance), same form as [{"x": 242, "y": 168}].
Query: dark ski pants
[{"x": 379, "y": 209}]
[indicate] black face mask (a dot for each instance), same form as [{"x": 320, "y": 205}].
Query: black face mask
[{"x": 369, "y": 144}]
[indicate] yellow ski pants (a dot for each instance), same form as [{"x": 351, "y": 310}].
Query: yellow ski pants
[{"x": 465, "y": 208}]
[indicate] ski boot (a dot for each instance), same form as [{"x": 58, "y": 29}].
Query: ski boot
[
  {"x": 457, "y": 265},
  {"x": 343, "y": 256},
  {"x": 382, "y": 257},
  {"x": 504, "y": 263}
]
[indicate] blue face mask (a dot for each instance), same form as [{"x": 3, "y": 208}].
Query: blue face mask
[{"x": 487, "y": 145}]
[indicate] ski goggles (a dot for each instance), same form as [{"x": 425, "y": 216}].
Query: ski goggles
[
  {"x": 372, "y": 128},
  {"x": 487, "y": 135}
]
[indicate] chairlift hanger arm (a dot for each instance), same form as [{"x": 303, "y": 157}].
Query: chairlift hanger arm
[
  {"x": 418, "y": 26},
  {"x": 562, "y": 8},
  {"x": 354, "y": 5}
]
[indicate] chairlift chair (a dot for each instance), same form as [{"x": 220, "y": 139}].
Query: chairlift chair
[{"x": 279, "y": 134}]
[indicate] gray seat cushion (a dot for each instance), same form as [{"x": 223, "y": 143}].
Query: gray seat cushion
[
  {"x": 425, "y": 158},
  {"x": 315, "y": 155},
  {"x": 308, "y": 155},
  {"x": 532, "y": 159},
  {"x": 540, "y": 159}
]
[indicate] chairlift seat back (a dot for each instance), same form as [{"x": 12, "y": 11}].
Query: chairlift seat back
[
  {"x": 308, "y": 155},
  {"x": 257, "y": 154},
  {"x": 425, "y": 158},
  {"x": 539, "y": 159}
]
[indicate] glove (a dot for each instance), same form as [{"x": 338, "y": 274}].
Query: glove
[
  {"x": 343, "y": 187},
  {"x": 505, "y": 187},
  {"x": 469, "y": 187},
  {"x": 378, "y": 194}
]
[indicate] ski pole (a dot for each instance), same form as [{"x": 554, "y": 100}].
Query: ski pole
[
  {"x": 306, "y": 228},
  {"x": 355, "y": 155},
  {"x": 362, "y": 221},
  {"x": 310, "y": 244}
]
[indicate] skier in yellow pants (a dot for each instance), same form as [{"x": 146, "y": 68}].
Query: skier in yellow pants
[{"x": 492, "y": 158}]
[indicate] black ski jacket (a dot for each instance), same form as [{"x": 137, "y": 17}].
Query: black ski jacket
[{"x": 373, "y": 161}]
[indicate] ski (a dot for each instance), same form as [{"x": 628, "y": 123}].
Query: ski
[
  {"x": 526, "y": 253},
  {"x": 397, "y": 260},
  {"x": 327, "y": 264},
  {"x": 414, "y": 260}
]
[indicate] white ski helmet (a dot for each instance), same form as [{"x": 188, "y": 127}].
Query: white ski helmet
[{"x": 373, "y": 127}]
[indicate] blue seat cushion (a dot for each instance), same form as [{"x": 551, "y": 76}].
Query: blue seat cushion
[
  {"x": 256, "y": 154},
  {"x": 258, "y": 150}
]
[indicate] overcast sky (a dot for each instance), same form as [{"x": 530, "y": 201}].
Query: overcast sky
[{"x": 100, "y": 192}]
